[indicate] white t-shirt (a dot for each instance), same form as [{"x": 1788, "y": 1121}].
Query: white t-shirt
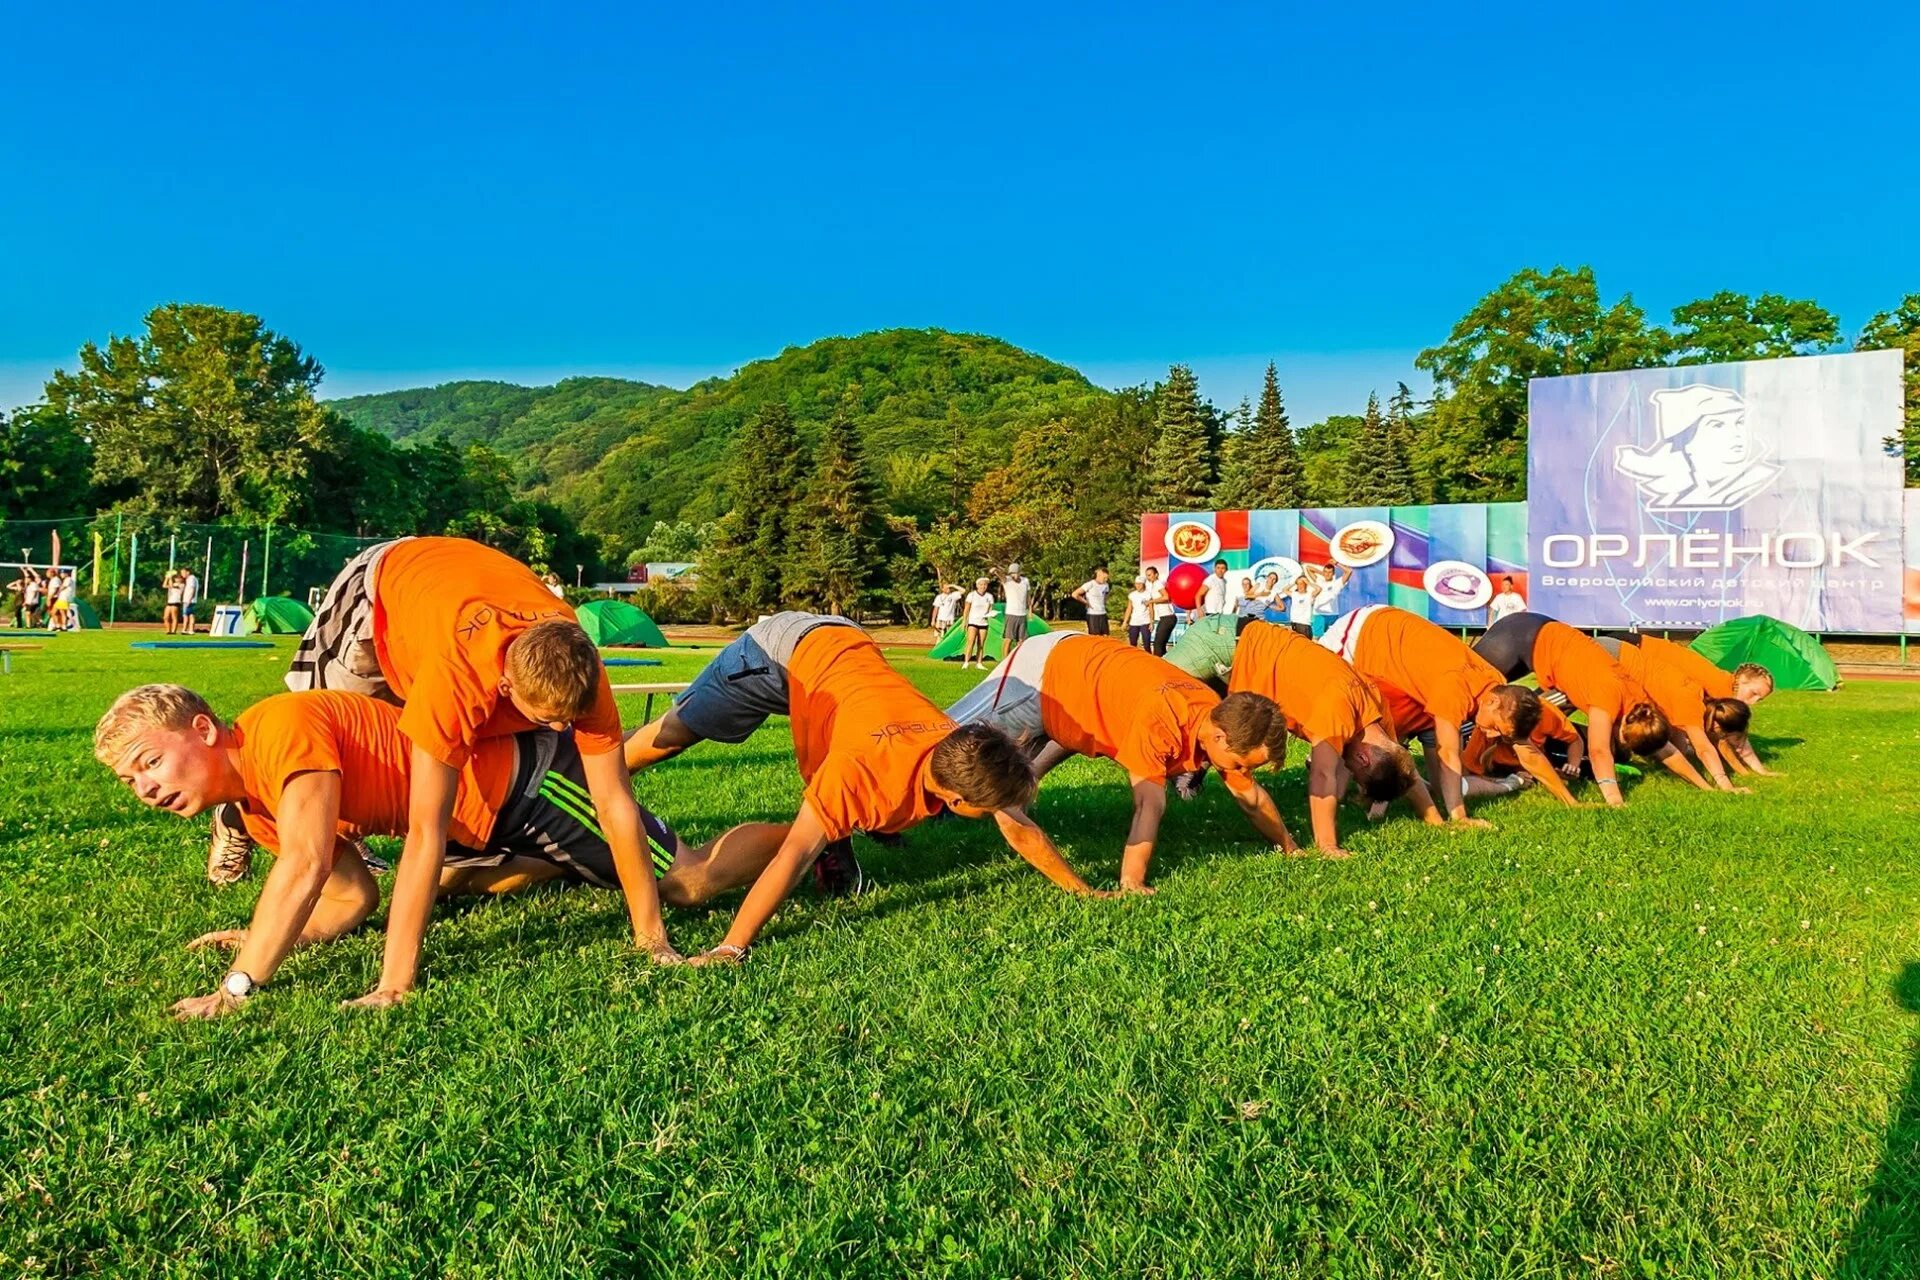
[
  {"x": 1300, "y": 604},
  {"x": 190, "y": 589},
  {"x": 1138, "y": 608},
  {"x": 1162, "y": 603},
  {"x": 1096, "y": 593},
  {"x": 945, "y": 606},
  {"x": 31, "y": 592},
  {"x": 1327, "y": 601},
  {"x": 173, "y": 592},
  {"x": 66, "y": 591},
  {"x": 979, "y": 608},
  {"x": 1213, "y": 595},
  {"x": 1506, "y": 604},
  {"x": 559, "y": 589},
  {"x": 1016, "y": 590}
]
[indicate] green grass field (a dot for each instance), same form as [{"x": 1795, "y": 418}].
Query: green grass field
[{"x": 1674, "y": 1041}]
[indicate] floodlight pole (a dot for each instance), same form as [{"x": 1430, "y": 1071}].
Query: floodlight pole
[
  {"x": 113, "y": 595},
  {"x": 266, "y": 562}
]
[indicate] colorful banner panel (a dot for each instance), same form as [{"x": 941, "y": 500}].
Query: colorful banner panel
[
  {"x": 1680, "y": 497},
  {"x": 1442, "y": 562},
  {"x": 1911, "y": 593}
]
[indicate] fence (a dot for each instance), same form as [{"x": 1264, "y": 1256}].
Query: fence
[{"x": 119, "y": 562}]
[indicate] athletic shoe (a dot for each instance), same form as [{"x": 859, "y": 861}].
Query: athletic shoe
[
  {"x": 374, "y": 861},
  {"x": 231, "y": 854},
  {"x": 837, "y": 872},
  {"x": 1187, "y": 785}
]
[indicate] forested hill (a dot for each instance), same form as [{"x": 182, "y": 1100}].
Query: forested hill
[{"x": 620, "y": 455}]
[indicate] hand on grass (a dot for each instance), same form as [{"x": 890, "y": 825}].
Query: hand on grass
[
  {"x": 722, "y": 954},
  {"x": 1740, "y": 791},
  {"x": 1141, "y": 890},
  {"x": 378, "y": 998},
  {"x": 226, "y": 939},
  {"x": 660, "y": 951},
  {"x": 1335, "y": 853},
  {"x": 208, "y": 1006},
  {"x": 1477, "y": 824},
  {"x": 1098, "y": 893},
  {"x": 1571, "y": 769}
]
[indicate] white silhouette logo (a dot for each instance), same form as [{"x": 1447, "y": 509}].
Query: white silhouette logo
[{"x": 1705, "y": 459}]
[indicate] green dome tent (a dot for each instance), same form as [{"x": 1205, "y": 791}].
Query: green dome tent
[
  {"x": 615, "y": 622},
  {"x": 276, "y": 616},
  {"x": 89, "y": 620},
  {"x": 954, "y": 643},
  {"x": 1795, "y": 658}
]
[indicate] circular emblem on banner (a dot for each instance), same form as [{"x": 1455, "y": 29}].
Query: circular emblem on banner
[
  {"x": 1361, "y": 543},
  {"x": 1287, "y": 567},
  {"x": 1458, "y": 585},
  {"x": 1191, "y": 540}
]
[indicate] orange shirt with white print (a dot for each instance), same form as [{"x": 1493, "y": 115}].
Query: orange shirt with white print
[
  {"x": 862, "y": 734},
  {"x": 1322, "y": 698},
  {"x": 1715, "y": 682},
  {"x": 358, "y": 738},
  {"x": 1428, "y": 664},
  {"x": 444, "y": 612},
  {"x": 1102, "y": 697},
  {"x": 1567, "y": 660},
  {"x": 1680, "y": 700}
]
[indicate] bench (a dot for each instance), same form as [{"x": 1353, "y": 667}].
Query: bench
[{"x": 668, "y": 687}]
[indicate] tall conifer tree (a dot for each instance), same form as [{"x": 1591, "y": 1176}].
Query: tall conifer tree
[
  {"x": 743, "y": 571},
  {"x": 1180, "y": 467},
  {"x": 1377, "y": 473},
  {"x": 836, "y": 554}
]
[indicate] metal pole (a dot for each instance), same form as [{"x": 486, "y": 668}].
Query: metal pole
[
  {"x": 173, "y": 547},
  {"x": 266, "y": 562},
  {"x": 113, "y": 596},
  {"x": 133, "y": 565},
  {"x": 244, "y": 547}
]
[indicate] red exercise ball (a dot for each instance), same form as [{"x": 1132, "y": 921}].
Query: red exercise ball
[{"x": 1183, "y": 584}]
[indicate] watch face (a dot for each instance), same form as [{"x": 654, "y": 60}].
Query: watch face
[{"x": 237, "y": 984}]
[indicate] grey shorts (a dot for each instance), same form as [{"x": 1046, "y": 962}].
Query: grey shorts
[{"x": 747, "y": 681}]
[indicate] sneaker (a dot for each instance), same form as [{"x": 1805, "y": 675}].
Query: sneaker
[
  {"x": 231, "y": 854},
  {"x": 837, "y": 872}
]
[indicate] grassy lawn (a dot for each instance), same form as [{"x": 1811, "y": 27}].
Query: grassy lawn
[{"x": 1678, "y": 1040}]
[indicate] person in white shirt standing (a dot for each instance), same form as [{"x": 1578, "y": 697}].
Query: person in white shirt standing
[
  {"x": 189, "y": 597},
  {"x": 1300, "y": 598},
  {"x": 1214, "y": 594},
  {"x": 1330, "y": 582},
  {"x": 1140, "y": 616},
  {"x": 1093, "y": 594},
  {"x": 946, "y": 608},
  {"x": 1161, "y": 605},
  {"x": 1506, "y": 603},
  {"x": 1016, "y": 589},
  {"x": 979, "y": 605}
]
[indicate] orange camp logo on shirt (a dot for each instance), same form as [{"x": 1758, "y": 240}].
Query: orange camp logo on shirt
[{"x": 896, "y": 728}]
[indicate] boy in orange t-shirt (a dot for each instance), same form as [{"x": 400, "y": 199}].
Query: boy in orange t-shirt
[
  {"x": 473, "y": 646},
  {"x": 1064, "y": 693},
  {"x": 1430, "y": 681},
  {"x": 311, "y": 774},
  {"x": 876, "y": 756},
  {"x": 1617, "y": 706},
  {"x": 1330, "y": 707}
]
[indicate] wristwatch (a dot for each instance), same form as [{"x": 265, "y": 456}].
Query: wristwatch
[{"x": 238, "y": 985}]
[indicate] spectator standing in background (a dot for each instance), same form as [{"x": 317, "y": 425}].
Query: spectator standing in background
[
  {"x": 1015, "y": 589},
  {"x": 946, "y": 608},
  {"x": 1214, "y": 593},
  {"x": 1161, "y": 606},
  {"x": 30, "y": 591},
  {"x": 189, "y": 596},
  {"x": 1329, "y": 583},
  {"x": 1507, "y": 603},
  {"x": 1093, "y": 594},
  {"x": 170, "y": 620},
  {"x": 1140, "y": 616},
  {"x": 553, "y": 584},
  {"x": 1253, "y": 603},
  {"x": 979, "y": 605}
]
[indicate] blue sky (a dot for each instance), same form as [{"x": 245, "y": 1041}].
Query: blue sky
[{"x": 419, "y": 192}]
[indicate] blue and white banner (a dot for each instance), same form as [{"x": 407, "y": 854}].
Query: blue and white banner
[{"x": 1680, "y": 497}]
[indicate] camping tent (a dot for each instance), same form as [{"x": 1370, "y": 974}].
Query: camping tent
[
  {"x": 1795, "y": 658},
  {"x": 615, "y": 622},
  {"x": 276, "y": 616},
  {"x": 89, "y": 620},
  {"x": 954, "y": 643}
]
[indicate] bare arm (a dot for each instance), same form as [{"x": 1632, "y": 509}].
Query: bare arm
[
  {"x": 1600, "y": 751},
  {"x": 1149, "y": 803},
  {"x": 1709, "y": 758},
  {"x": 804, "y": 841},
  {"x": 1535, "y": 762},
  {"x": 1027, "y": 839},
  {"x": 1260, "y": 810},
  {"x": 1732, "y": 757},
  {"x": 1323, "y": 795},
  {"x": 612, "y": 791},
  {"x": 417, "y": 881},
  {"x": 1447, "y": 768},
  {"x": 1679, "y": 766}
]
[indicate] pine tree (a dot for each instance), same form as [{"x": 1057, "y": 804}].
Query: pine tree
[
  {"x": 1235, "y": 491},
  {"x": 834, "y": 558},
  {"x": 1180, "y": 467},
  {"x": 1280, "y": 481},
  {"x": 1377, "y": 474},
  {"x": 742, "y": 571},
  {"x": 1403, "y": 432}
]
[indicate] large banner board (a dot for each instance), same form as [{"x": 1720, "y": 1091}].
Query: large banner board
[{"x": 1681, "y": 497}]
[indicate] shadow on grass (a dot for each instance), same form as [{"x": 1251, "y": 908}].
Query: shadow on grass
[{"x": 1886, "y": 1236}]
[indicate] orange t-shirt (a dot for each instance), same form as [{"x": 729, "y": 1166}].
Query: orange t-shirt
[
  {"x": 1480, "y": 751},
  {"x": 1102, "y": 697},
  {"x": 1322, "y": 698},
  {"x": 1425, "y": 663},
  {"x": 360, "y": 739},
  {"x": 1566, "y": 660},
  {"x": 1680, "y": 700},
  {"x": 444, "y": 612},
  {"x": 1711, "y": 679},
  {"x": 862, "y": 734}
]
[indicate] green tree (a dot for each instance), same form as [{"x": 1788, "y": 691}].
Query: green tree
[
  {"x": 836, "y": 556},
  {"x": 1403, "y": 429},
  {"x": 1238, "y": 466},
  {"x": 1731, "y": 326},
  {"x": 1180, "y": 468},
  {"x": 1377, "y": 474},
  {"x": 46, "y": 465},
  {"x": 1534, "y": 325},
  {"x": 1266, "y": 474},
  {"x": 743, "y": 568},
  {"x": 207, "y": 415},
  {"x": 673, "y": 542},
  {"x": 1899, "y": 330}
]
